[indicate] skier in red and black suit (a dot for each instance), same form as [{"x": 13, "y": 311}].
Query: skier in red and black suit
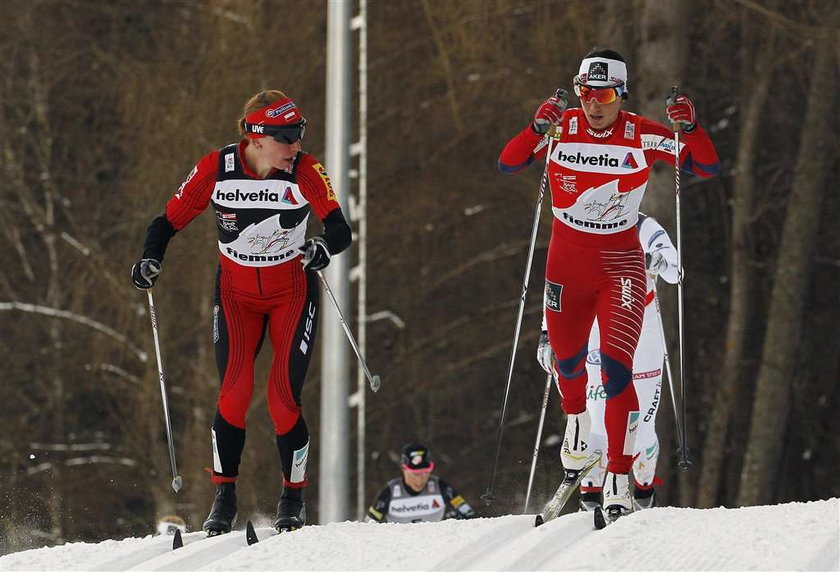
[
  {"x": 262, "y": 190},
  {"x": 598, "y": 171}
]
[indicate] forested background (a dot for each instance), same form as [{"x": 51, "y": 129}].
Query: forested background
[{"x": 106, "y": 106}]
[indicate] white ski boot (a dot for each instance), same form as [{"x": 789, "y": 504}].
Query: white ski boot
[
  {"x": 575, "y": 451},
  {"x": 618, "y": 501}
]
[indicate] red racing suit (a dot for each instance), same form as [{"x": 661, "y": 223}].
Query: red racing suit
[
  {"x": 260, "y": 286},
  {"x": 595, "y": 265}
]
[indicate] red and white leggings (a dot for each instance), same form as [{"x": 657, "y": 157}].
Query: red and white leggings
[{"x": 582, "y": 283}]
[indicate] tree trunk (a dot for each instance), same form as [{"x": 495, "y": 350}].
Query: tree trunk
[
  {"x": 716, "y": 445},
  {"x": 793, "y": 269}
]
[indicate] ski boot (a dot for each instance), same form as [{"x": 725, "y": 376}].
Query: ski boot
[
  {"x": 644, "y": 498},
  {"x": 589, "y": 500},
  {"x": 223, "y": 513},
  {"x": 291, "y": 512},
  {"x": 617, "y": 500},
  {"x": 574, "y": 453}
]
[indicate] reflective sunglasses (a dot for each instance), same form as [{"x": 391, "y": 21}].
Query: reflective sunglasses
[
  {"x": 602, "y": 95},
  {"x": 287, "y": 134}
]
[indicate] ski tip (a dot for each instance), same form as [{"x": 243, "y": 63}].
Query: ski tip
[
  {"x": 250, "y": 534},
  {"x": 177, "y": 542},
  {"x": 538, "y": 520},
  {"x": 600, "y": 519}
]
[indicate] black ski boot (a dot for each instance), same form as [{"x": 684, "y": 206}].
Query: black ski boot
[
  {"x": 644, "y": 498},
  {"x": 223, "y": 513},
  {"x": 291, "y": 512},
  {"x": 589, "y": 500}
]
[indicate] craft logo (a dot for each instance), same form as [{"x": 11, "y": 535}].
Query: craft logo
[
  {"x": 629, "y": 130},
  {"x": 597, "y": 72},
  {"x": 229, "y": 165},
  {"x": 573, "y": 126},
  {"x": 654, "y": 405}
]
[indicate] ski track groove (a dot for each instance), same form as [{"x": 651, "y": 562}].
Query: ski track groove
[
  {"x": 487, "y": 542},
  {"x": 196, "y": 554},
  {"x": 159, "y": 546},
  {"x": 562, "y": 533}
]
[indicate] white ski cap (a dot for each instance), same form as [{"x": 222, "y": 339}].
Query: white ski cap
[{"x": 602, "y": 72}]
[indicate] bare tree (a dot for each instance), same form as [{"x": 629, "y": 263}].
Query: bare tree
[
  {"x": 755, "y": 88},
  {"x": 791, "y": 279}
]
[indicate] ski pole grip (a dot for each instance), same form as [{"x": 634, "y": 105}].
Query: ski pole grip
[{"x": 672, "y": 99}]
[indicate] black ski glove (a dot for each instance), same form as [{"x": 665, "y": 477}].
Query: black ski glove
[
  {"x": 316, "y": 255},
  {"x": 145, "y": 273}
]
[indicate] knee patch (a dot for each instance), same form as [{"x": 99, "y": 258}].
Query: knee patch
[
  {"x": 574, "y": 366},
  {"x": 617, "y": 375}
]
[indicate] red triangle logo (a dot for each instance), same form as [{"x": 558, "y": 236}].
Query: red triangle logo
[
  {"x": 435, "y": 504},
  {"x": 630, "y": 162},
  {"x": 289, "y": 197}
]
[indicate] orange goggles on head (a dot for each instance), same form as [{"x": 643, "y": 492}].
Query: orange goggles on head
[{"x": 602, "y": 95}]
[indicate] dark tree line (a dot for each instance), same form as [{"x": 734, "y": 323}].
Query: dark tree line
[{"x": 105, "y": 107}]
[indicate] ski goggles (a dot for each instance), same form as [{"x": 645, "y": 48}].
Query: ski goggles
[
  {"x": 287, "y": 134},
  {"x": 602, "y": 95},
  {"x": 421, "y": 470}
]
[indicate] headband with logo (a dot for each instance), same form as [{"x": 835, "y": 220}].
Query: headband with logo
[
  {"x": 279, "y": 114},
  {"x": 602, "y": 72}
]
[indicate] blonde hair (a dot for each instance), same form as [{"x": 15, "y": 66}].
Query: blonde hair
[{"x": 258, "y": 101}]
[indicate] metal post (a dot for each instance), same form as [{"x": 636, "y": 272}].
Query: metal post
[
  {"x": 334, "y": 455},
  {"x": 360, "y": 23}
]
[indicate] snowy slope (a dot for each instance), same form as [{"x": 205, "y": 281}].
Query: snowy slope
[{"x": 796, "y": 536}]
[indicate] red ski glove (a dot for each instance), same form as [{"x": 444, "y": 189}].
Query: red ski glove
[
  {"x": 550, "y": 112},
  {"x": 681, "y": 110}
]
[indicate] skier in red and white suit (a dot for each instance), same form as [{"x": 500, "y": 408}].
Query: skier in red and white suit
[
  {"x": 597, "y": 173},
  {"x": 262, "y": 190}
]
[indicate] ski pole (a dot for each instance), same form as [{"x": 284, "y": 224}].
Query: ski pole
[
  {"x": 684, "y": 462},
  {"x": 548, "y": 381},
  {"x": 177, "y": 481},
  {"x": 680, "y": 435},
  {"x": 488, "y": 496},
  {"x": 374, "y": 380}
]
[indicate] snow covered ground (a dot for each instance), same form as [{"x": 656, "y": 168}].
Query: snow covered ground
[{"x": 796, "y": 536}]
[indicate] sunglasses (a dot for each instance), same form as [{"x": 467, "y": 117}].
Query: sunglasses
[
  {"x": 602, "y": 95},
  {"x": 287, "y": 134}
]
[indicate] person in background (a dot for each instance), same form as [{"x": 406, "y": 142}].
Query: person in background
[
  {"x": 418, "y": 495},
  {"x": 598, "y": 172},
  {"x": 262, "y": 190},
  {"x": 660, "y": 260}
]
